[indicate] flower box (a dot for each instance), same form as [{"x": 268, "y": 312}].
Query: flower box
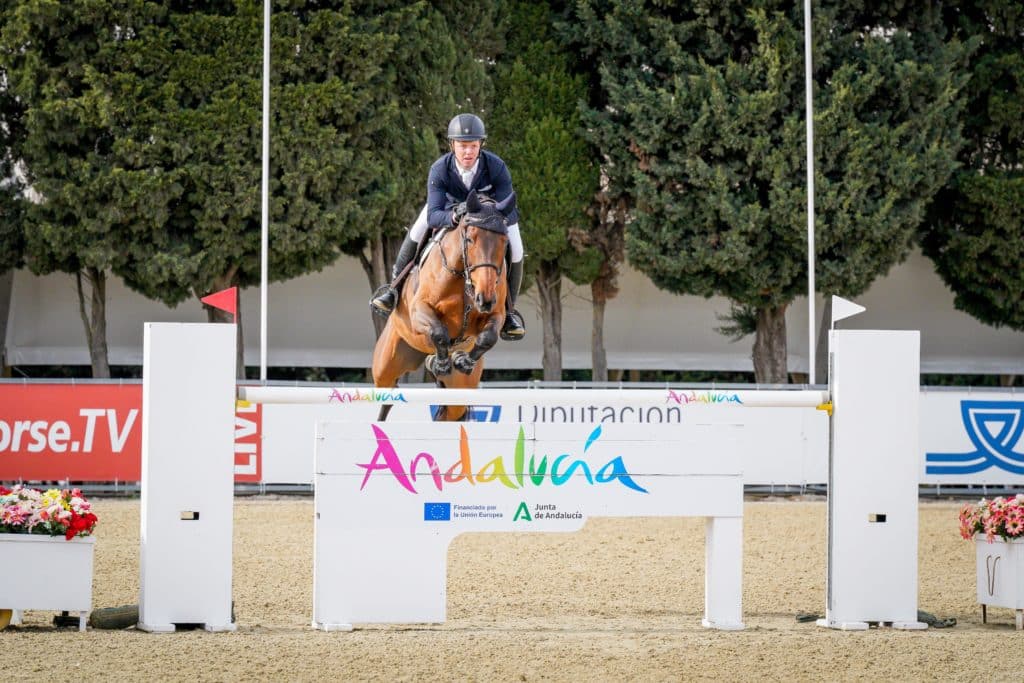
[
  {"x": 47, "y": 573},
  {"x": 1001, "y": 575}
]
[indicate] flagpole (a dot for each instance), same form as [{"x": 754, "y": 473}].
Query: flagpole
[
  {"x": 808, "y": 97},
  {"x": 265, "y": 193}
]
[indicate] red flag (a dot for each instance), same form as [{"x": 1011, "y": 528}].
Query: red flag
[{"x": 225, "y": 300}]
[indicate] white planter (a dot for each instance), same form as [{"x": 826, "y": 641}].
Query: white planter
[
  {"x": 1001, "y": 575},
  {"x": 46, "y": 573}
]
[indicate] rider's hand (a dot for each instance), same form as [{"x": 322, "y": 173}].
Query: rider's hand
[{"x": 458, "y": 212}]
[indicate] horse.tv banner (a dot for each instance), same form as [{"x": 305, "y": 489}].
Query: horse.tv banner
[{"x": 93, "y": 432}]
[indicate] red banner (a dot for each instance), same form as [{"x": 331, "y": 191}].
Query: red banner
[{"x": 93, "y": 432}]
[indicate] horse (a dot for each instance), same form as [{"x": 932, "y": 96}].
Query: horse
[{"x": 452, "y": 306}]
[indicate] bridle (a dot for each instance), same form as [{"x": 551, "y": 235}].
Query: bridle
[
  {"x": 467, "y": 269},
  {"x": 465, "y": 273}
]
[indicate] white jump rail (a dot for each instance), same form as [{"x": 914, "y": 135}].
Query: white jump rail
[{"x": 777, "y": 398}]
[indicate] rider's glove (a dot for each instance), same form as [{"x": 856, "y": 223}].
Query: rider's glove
[{"x": 458, "y": 212}]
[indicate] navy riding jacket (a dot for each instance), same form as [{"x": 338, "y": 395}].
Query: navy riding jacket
[{"x": 445, "y": 188}]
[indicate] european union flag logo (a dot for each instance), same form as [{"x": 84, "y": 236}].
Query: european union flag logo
[{"x": 437, "y": 512}]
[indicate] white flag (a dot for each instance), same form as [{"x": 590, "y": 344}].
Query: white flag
[{"x": 841, "y": 308}]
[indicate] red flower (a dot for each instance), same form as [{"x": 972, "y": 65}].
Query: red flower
[
  {"x": 79, "y": 523},
  {"x": 4, "y": 491}
]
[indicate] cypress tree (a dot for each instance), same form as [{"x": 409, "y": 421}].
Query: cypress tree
[
  {"x": 703, "y": 127},
  {"x": 11, "y": 131},
  {"x": 975, "y": 235},
  {"x": 55, "y": 55},
  {"x": 536, "y": 129}
]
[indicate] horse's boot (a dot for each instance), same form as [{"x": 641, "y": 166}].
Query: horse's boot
[
  {"x": 514, "y": 328},
  {"x": 385, "y": 298}
]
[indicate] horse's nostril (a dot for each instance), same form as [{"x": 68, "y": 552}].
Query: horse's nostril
[{"x": 484, "y": 304}]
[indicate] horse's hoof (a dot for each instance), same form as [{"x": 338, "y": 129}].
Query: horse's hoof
[
  {"x": 438, "y": 368},
  {"x": 463, "y": 362}
]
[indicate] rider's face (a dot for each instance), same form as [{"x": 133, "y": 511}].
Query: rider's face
[{"x": 466, "y": 152}]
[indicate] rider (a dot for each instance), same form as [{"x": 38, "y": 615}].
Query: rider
[{"x": 466, "y": 167}]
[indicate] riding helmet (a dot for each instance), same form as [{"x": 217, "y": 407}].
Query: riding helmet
[{"x": 466, "y": 127}]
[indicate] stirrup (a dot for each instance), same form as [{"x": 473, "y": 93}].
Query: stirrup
[
  {"x": 377, "y": 304},
  {"x": 513, "y": 334}
]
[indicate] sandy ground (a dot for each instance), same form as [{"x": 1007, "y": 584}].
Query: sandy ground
[{"x": 621, "y": 599}]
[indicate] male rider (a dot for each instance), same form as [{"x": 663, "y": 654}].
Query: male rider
[{"x": 466, "y": 167}]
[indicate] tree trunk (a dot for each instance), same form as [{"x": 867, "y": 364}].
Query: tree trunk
[
  {"x": 598, "y": 355},
  {"x": 770, "y": 346},
  {"x": 549, "y": 287},
  {"x": 216, "y": 315},
  {"x": 94, "y": 317}
]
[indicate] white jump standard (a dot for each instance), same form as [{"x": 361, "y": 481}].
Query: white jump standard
[{"x": 188, "y": 423}]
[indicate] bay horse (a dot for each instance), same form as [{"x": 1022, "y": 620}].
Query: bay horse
[{"x": 451, "y": 307}]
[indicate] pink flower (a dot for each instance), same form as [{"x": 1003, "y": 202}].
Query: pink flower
[
  {"x": 991, "y": 528},
  {"x": 1014, "y": 526}
]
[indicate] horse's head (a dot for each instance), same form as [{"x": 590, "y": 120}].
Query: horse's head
[{"x": 484, "y": 243}]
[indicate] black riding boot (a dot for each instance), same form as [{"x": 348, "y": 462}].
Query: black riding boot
[
  {"x": 514, "y": 327},
  {"x": 385, "y": 298}
]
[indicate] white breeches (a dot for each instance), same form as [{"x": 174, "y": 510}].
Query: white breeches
[{"x": 515, "y": 241}]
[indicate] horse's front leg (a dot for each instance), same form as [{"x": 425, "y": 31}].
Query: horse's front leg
[
  {"x": 425, "y": 321},
  {"x": 465, "y": 361}
]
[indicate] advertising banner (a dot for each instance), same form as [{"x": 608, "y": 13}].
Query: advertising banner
[
  {"x": 971, "y": 437},
  {"x": 93, "y": 432}
]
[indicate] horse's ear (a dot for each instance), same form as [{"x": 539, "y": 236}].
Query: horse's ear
[
  {"x": 473, "y": 202},
  {"x": 506, "y": 202}
]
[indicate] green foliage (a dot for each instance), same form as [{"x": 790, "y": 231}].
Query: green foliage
[
  {"x": 431, "y": 73},
  {"x": 704, "y": 127},
  {"x": 197, "y": 89},
  {"x": 144, "y": 124},
  {"x": 53, "y": 54},
  {"x": 975, "y": 233},
  {"x": 11, "y": 204},
  {"x": 535, "y": 128}
]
